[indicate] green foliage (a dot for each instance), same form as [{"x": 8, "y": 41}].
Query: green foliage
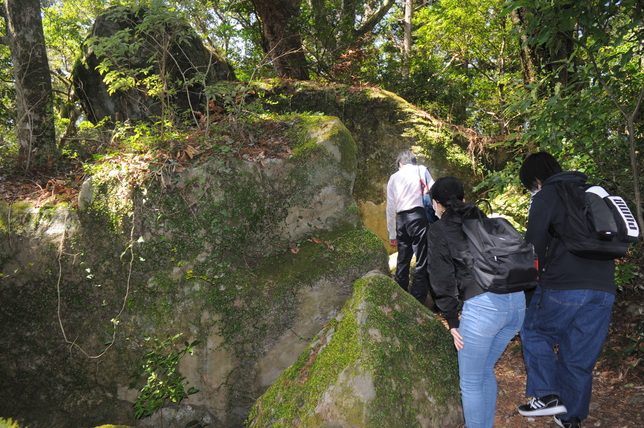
[
  {"x": 582, "y": 117},
  {"x": 331, "y": 28},
  {"x": 578, "y": 106},
  {"x": 7, "y": 96},
  {"x": 8, "y": 155},
  {"x": 8, "y": 143},
  {"x": 66, "y": 25},
  {"x": 625, "y": 273},
  {"x": 9, "y": 423},
  {"x": 237, "y": 102},
  {"x": 463, "y": 62},
  {"x": 229, "y": 28},
  {"x": 140, "y": 57},
  {"x": 163, "y": 382}
]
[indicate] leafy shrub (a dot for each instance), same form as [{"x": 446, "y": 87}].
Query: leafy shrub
[{"x": 163, "y": 381}]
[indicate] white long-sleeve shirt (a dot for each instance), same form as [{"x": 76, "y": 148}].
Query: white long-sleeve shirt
[{"x": 404, "y": 192}]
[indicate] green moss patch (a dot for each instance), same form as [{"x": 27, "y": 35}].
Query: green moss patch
[{"x": 383, "y": 337}]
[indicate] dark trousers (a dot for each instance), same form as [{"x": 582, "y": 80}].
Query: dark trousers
[
  {"x": 411, "y": 233},
  {"x": 578, "y": 321}
]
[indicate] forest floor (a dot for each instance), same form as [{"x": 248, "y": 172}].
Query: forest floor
[{"x": 618, "y": 387}]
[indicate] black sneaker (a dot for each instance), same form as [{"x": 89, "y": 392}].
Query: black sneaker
[
  {"x": 545, "y": 406},
  {"x": 568, "y": 423}
]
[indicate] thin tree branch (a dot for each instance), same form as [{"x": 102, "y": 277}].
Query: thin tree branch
[{"x": 374, "y": 19}]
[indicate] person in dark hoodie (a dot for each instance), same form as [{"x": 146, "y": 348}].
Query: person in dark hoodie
[
  {"x": 487, "y": 322},
  {"x": 569, "y": 314}
]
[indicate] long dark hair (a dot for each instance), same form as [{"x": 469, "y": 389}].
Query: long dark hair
[{"x": 449, "y": 192}]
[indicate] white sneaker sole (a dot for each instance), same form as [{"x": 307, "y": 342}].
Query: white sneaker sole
[{"x": 546, "y": 411}]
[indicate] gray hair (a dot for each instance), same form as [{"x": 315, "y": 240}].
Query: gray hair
[{"x": 406, "y": 157}]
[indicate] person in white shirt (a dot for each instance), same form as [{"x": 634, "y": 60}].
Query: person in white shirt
[{"x": 407, "y": 223}]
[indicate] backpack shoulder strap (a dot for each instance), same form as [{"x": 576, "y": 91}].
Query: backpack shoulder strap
[
  {"x": 423, "y": 185},
  {"x": 476, "y": 213}
]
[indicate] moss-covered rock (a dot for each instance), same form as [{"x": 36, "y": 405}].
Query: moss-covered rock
[
  {"x": 184, "y": 64},
  {"x": 382, "y": 124},
  {"x": 384, "y": 361},
  {"x": 251, "y": 259}
]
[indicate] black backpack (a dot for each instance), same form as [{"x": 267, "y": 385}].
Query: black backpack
[
  {"x": 500, "y": 259},
  {"x": 597, "y": 225}
]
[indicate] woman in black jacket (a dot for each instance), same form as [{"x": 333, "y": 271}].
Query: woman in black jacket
[{"x": 488, "y": 321}]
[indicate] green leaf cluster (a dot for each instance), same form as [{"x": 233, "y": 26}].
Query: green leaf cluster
[
  {"x": 9, "y": 423},
  {"x": 159, "y": 371}
]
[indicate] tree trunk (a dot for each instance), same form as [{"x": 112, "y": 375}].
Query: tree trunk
[
  {"x": 34, "y": 101},
  {"x": 279, "y": 21},
  {"x": 538, "y": 57},
  {"x": 528, "y": 58}
]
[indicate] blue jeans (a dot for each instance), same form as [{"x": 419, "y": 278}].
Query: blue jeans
[
  {"x": 577, "y": 321},
  {"x": 488, "y": 323}
]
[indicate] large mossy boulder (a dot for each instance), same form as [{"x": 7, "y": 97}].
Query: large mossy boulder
[
  {"x": 252, "y": 259},
  {"x": 145, "y": 63},
  {"x": 382, "y": 124},
  {"x": 384, "y": 361}
]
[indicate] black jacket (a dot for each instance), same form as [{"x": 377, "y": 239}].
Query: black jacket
[
  {"x": 449, "y": 276},
  {"x": 558, "y": 268}
]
